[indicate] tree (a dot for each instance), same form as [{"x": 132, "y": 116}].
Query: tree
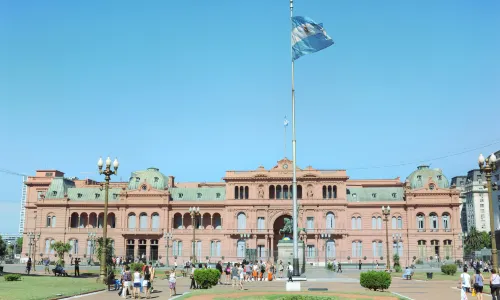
[
  {"x": 476, "y": 241},
  {"x": 19, "y": 246},
  {"x": 3, "y": 247},
  {"x": 109, "y": 250},
  {"x": 60, "y": 248}
]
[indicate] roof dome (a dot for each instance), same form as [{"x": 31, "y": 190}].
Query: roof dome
[
  {"x": 152, "y": 176},
  {"x": 420, "y": 178}
]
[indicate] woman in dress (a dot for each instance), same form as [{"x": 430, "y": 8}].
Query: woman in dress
[
  {"x": 171, "y": 283},
  {"x": 137, "y": 284}
]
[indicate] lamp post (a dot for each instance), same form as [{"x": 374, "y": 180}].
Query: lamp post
[
  {"x": 194, "y": 211},
  {"x": 107, "y": 177},
  {"x": 33, "y": 238},
  {"x": 397, "y": 238},
  {"x": 326, "y": 237},
  {"x": 386, "y": 211},
  {"x": 167, "y": 236},
  {"x": 91, "y": 238},
  {"x": 487, "y": 166}
]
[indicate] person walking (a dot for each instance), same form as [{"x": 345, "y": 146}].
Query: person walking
[
  {"x": 241, "y": 273},
  {"x": 146, "y": 283},
  {"x": 478, "y": 284},
  {"x": 193, "y": 282},
  {"x": 172, "y": 283},
  {"x": 464, "y": 283},
  {"x": 127, "y": 282},
  {"x": 28, "y": 266},
  {"x": 46, "y": 263},
  {"x": 234, "y": 275},
  {"x": 290, "y": 272},
  {"x": 219, "y": 268},
  {"x": 495, "y": 285},
  {"x": 137, "y": 284},
  {"x": 339, "y": 268}
]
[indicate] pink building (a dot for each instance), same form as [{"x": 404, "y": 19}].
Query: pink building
[{"x": 243, "y": 214}]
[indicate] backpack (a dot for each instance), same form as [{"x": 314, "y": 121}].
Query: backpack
[{"x": 262, "y": 268}]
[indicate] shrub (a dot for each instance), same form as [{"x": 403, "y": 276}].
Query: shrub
[
  {"x": 419, "y": 262},
  {"x": 329, "y": 266},
  {"x": 12, "y": 277},
  {"x": 398, "y": 269},
  {"x": 206, "y": 278},
  {"x": 450, "y": 269},
  {"x": 375, "y": 280},
  {"x": 136, "y": 266}
]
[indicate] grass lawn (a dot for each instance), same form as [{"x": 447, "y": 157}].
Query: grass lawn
[{"x": 46, "y": 287}]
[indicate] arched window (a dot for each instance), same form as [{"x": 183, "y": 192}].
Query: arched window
[
  {"x": 241, "y": 248},
  {"x": 131, "y": 221},
  {"x": 285, "y": 192},
  {"x": 178, "y": 221},
  {"x": 74, "y": 220},
  {"x": 236, "y": 192},
  {"x": 52, "y": 242},
  {"x": 334, "y": 190},
  {"x": 111, "y": 220},
  {"x": 330, "y": 249},
  {"x": 394, "y": 222},
  {"x": 374, "y": 223},
  {"x": 357, "y": 249},
  {"x": 74, "y": 246},
  {"x": 246, "y": 192},
  {"x": 217, "y": 221},
  {"x": 446, "y": 221},
  {"x": 379, "y": 222},
  {"x": 143, "y": 221},
  {"x": 100, "y": 220},
  {"x": 358, "y": 223},
  {"x": 271, "y": 192},
  {"x": 47, "y": 246},
  {"x": 324, "y": 192},
  {"x": 51, "y": 220},
  {"x": 433, "y": 218},
  {"x": 400, "y": 223},
  {"x": 377, "y": 249},
  {"x": 330, "y": 220},
  {"x": 329, "y": 192},
  {"x": 242, "y": 221},
  {"x": 177, "y": 248},
  {"x": 155, "y": 221},
  {"x": 278, "y": 192},
  {"x": 447, "y": 248},
  {"x": 353, "y": 223},
  {"x": 299, "y": 192},
  {"x": 420, "y": 222},
  {"x": 215, "y": 248}
]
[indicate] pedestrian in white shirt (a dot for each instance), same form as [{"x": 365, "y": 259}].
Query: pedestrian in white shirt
[{"x": 290, "y": 272}]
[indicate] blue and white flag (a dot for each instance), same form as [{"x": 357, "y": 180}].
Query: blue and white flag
[{"x": 308, "y": 37}]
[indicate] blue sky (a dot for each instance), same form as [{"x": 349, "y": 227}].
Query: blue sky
[{"x": 199, "y": 87}]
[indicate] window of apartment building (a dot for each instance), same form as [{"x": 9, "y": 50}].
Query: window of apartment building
[
  {"x": 482, "y": 205},
  {"x": 482, "y": 210},
  {"x": 482, "y": 216}
]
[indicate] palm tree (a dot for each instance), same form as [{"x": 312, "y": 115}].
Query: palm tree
[{"x": 60, "y": 248}]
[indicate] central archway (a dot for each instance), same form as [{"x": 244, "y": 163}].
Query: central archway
[{"x": 278, "y": 224}]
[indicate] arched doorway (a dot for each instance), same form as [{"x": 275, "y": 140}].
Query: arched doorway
[{"x": 278, "y": 224}]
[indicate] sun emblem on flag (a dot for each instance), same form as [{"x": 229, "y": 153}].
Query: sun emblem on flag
[{"x": 306, "y": 30}]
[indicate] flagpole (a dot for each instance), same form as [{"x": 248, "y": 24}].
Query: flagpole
[
  {"x": 286, "y": 124},
  {"x": 296, "y": 271}
]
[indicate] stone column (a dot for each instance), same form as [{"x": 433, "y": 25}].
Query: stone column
[
  {"x": 272, "y": 248},
  {"x": 136, "y": 248},
  {"x": 148, "y": 250}
]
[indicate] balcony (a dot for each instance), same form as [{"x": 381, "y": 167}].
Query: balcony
[
  {"x": 87, "y": 230},
  {"x": 142, "y": 231}
]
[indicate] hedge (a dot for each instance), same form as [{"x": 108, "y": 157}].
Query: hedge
[
  {"x": 136, "y": 266},
  {"x": 206, "y": 278},
  {"x": 375, "y": 280},
  {"x": 450, "y": 269},
  {"x": 12, "y": 277}
]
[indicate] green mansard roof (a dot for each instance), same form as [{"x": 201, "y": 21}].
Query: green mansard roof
[
  {"x": 198, "y": 194},
  {"x": 360, "y": 194}
]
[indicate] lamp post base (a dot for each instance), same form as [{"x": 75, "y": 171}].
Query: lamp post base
[{"x": 296, "y": 267}]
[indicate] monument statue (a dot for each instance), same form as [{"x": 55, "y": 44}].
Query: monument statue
[{"x": 288, "y": 228}]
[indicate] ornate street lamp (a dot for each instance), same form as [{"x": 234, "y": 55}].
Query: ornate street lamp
[
  {"x": 194, "y": 211},
  {"x": 397, "y": 238},
  {"x": 326, "y": 237},
  {"x": 107, "y": 177},
  {"x": 33, "y": 238},
  {"x": 386, "y": 211},
  {"x": 487, "y": 166},
  {"x": 167, "y": 236},
  {"x": 92, "y": 239}
]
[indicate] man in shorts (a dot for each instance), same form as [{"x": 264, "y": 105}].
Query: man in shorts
[{"x": 234, "y": 276}]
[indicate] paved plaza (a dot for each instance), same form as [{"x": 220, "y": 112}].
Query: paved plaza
[{"x": 347, "y": 282}]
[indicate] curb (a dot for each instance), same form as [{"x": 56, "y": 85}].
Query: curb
[{"x": 79, "y": 295}]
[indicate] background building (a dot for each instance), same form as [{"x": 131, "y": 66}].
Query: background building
[
  {"x": 459, "y": 183},
  {"x": 477, "y": 205},
  {"x": 241, "y": 216}
]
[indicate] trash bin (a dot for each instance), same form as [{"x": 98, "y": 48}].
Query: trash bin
[{"x": 429, "y": 275}]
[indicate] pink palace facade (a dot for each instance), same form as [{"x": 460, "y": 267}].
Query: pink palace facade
[{"x": 342, "y": 216}]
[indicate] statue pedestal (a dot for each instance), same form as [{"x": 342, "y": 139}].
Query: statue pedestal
[{"x": 285, "y": 253}]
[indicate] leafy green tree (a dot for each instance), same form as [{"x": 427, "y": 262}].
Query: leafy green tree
[
  {"x": 19, "y": 245},
  {"x": 109, "y": 250},
  {"x": 3, "y": 247},
  {"x": 476, "y": 241},
  {"x": 61, "y": 248}
]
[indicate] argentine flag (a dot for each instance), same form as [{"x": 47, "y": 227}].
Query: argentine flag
[{"x": 308, "y": 37}]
